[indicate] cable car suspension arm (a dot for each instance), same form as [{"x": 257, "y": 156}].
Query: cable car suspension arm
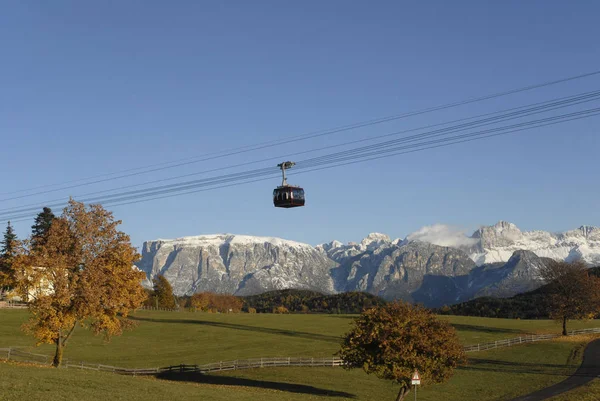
[{"x": 283, "y": 166}]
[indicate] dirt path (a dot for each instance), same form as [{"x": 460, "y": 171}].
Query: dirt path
[{"x": 589, "y": 370}]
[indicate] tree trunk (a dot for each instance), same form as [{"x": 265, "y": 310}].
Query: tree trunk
[
  {"x": 564, "y": 333},
  {"x": 402, "y": 393},
  {"x": 59, "y": 353}
]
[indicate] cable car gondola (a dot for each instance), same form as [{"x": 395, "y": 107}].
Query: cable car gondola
[{"x": 287, "y": 195}]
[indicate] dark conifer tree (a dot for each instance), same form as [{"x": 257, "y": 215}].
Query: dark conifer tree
[
  {"x": 7, "y": 252},
  {"x": 41, "y": 226},
  {"x": 9, "y": 243}
]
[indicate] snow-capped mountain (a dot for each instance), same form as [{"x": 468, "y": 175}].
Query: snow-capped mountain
[
  {"x": 413, "y": 270},
  {"x": 497, "y": 243},
  {"x": 236, "y": 264},
  {"x": 435, "y": 265}
]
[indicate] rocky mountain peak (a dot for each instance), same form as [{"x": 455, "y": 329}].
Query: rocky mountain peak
[
  {"x": 236, "y": 264},
  {"x": 436, "y": 265},
  {"x": 500, "y": 234},
  {"x": 374, "y": 240},
  {"x": 330, "y": 246}
]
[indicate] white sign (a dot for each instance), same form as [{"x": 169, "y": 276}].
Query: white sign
[{"x": 416, "y": 379}]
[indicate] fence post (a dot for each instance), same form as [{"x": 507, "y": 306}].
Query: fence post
[
  {"x": 496, "y": 344},
  {"x": 261, "y": 363},
  {"x": 288, "y": 360},
  {"x": 8, "y": 356}
]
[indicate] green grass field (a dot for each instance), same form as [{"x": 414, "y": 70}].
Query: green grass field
[
  {"x": 589, "y": 392},
  {"x": 167, "y": 338}
]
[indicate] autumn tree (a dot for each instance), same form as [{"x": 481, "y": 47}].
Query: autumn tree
[
  {"x": 163, "y": 293},
  {"x": 571, "y": 291},
  {"x": 280, "y": 309},
  {"x": 394, "y": 340},
  {"x": 81, "y": 275},
  {"x": 8, "y": 251},
  {"x": 211, "y": 302},
  {"x": 41, "y": 226},
  {"x": 201, "y": 301}
]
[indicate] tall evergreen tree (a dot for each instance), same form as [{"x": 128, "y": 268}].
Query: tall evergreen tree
[
  {"x": 9, "y": 243},
  {"x": 7, "y": 253},
  {"x": 41, "y": 226}
]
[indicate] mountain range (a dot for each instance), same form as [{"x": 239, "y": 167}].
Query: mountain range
[{"x": 434, "y": 266}]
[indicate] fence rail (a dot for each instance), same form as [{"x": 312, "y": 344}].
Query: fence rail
[
  {"x": 15, "y": 354},
  {"x": 12, "y": 305},
  {"x": 525, "y": 339}
]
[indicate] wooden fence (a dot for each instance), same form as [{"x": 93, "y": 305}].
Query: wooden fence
[
  {"x": 12, "y": 305},
  {"x": 524, "y": 339},
  {"x": 16, "y": 354}
]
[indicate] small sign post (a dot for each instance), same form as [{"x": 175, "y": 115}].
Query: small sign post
[{"x": 416, "y": 381}]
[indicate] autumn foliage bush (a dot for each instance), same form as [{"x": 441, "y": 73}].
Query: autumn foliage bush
[
  {"x": 394, "y": 340},
  {"x": 212, "y": 302},
  {"x": 281, "y": 309}
]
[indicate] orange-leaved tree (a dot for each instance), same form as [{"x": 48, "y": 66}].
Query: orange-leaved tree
[
  {"x": 81, "y": 275},
  {"x": 211, "y": 302},
  {"x": 394, "y": 340}
]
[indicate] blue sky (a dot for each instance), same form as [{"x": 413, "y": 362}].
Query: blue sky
[{"x": 99, "y": 87}]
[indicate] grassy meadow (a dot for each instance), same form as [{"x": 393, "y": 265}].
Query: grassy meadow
[
  {"x": 168, "y": 338},
  {"x": 588, "y": 392}
]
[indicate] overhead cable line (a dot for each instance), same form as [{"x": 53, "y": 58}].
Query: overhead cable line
[
  {"x": 22, "y": 218},
  {"x": 597, "y": 113},
  {"x": 499, "y": 116},
  {"x": 381, "y": 145},
  {"x": 340, "y": 157},
  {"x": 263, "y": 145}
]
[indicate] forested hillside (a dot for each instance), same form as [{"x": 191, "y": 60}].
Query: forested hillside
[
  {"x": 311, "y": 301},
  {"x": 529, "y": 305}
]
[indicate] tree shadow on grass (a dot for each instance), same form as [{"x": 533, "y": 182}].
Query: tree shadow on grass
[
  {"x": 196, "y": 377},
  {"x": 491, "y": 365},
  {"x": 485, "y": 329},
  {"x": 283, "y": 332}
]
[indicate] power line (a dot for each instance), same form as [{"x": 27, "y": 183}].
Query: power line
[
  {"x": 382, "y": 145},
  {"x": 502, "y": 115},
  {"x": 350, "y": 159},
  {"x": 277, "y": 142},
  {"x": 359, "y": 161}
]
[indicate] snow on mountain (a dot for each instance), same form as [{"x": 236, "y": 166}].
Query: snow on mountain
[
  {"x": 374, "y": 240},
  {"x": 236, "y": 264},
  {"x": 231, "y": 239},
  {"x": 340, "y": 252},
  {"x": 436, "y": 265},
  {"x": 497, "y": 243}
]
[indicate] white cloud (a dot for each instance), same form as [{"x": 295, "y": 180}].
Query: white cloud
[{"x": 442, "y": 235}]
